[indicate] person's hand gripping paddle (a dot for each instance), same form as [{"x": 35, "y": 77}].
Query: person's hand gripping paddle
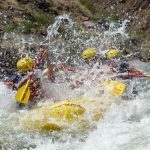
[{"x": 23, "y": 93}]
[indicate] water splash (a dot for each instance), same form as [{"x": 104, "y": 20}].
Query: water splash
[
  {"x": 59, "y": 21},
  {"x": 7, "y": 102},
  {"x": 129, "y": 126}
]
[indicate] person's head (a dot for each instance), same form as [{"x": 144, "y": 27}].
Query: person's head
[
  {"x": 112, "y": 58},
  {"x": 90, "y": 56},
  {"x": 112, "y": 54},
  {"x": 25, "y": 64}
]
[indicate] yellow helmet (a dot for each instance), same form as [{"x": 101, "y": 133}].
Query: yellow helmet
[
  {"x": 25, "y": 64},
  {"x": 89, "y": 53},
  {"x": 113, "y": 53}
]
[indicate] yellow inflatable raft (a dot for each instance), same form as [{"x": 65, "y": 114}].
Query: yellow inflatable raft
[{"x": 63, "y": 114}]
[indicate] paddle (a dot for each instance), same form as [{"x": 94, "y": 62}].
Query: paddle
[
  {"x": 23, "y": 93},
  {"x": 140, "y": 75},
  {"x": 133, "y": 75},
  {"x": 112, "y": 87},
  {"x": 68, "y": 68},
  {"x": 147, "y": 75}
]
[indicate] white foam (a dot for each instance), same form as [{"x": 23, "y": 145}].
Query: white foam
[{"x": 7, "y": 99}]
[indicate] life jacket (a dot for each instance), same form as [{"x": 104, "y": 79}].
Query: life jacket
[
  {"x": 14, "y": 80},
  {"x": 35, "y": 88},
  {"x": 35, "y": 85},
  {"x": 118, "y": 66},
  {"x": 123, "y": 67}
]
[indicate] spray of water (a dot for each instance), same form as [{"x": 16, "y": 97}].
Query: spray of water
[{"x": 124, "y": 126}]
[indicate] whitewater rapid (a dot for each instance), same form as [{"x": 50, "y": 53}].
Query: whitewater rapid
[{"x": 123, "y": 127}]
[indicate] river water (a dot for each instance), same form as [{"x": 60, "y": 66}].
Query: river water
[{"x": 124, "y": 127}]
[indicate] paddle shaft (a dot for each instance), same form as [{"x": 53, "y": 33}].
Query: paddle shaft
[
  {"x": 25, "y": 90},
  {"x": 134, "y": 75},
  {"x": 121, "y": 75},
  {"x": 69, "y": 68},
  {"x": 140, "y": 76},
  {"x": 36, "y": 63}
]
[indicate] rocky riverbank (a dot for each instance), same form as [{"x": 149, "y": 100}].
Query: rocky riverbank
[{"x": 34, "y": 16}]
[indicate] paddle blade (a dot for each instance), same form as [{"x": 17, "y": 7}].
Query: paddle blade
[
  {"x": 23, "y": 93},
  {"x": 147, "y": 75},
  {"x": 115, "y": 87}
]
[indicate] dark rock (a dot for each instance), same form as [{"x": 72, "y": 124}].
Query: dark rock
[
  {"x": 1, "y": 32},
  {"x": 42, "y": 32},
  {"x": 54, "y": 12},
  {"x": 124, "y": 52},
  {"x": 103, "y": 24},
  {"x": 28, "y": 16},
  {"x": 23, "y": 1},
  {"x": 42, "y": 4},
  {"x": 134, "y": 41},
  {"x": 122, "y": 1}
]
